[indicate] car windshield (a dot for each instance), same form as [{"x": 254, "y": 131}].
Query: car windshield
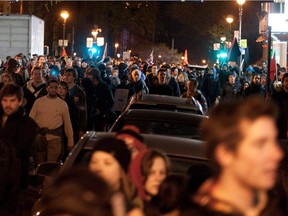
[{"x": 176, "y": 129}]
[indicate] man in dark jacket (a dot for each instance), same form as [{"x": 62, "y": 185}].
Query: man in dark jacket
[
  {"x": 103, "y": 99},
  {"x": 18, "y": 132},
  {"x": 77, "y": 96},
  {"x": 160, "y": 87}
]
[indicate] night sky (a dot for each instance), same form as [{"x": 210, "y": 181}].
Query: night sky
[{"x": 157, "y": 22}]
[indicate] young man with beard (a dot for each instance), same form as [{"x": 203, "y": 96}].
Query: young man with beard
[
  {"x": 244, "y": 149},
  {"x": 17, "y": 133},
  {"x": 51, "y": 113}
]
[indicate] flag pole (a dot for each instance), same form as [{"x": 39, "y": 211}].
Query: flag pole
[{"x": 268, "y": 93}]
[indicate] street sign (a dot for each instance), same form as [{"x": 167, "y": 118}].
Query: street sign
[
  {"x": 89, "y": 42},
  {"x": 243, "y": 43},
  {"x": 216, "y": 46},
  {"x": 126, "y": 55},
  {"x": 60, "y": 43},
  {"x": 100, "y": 41}
]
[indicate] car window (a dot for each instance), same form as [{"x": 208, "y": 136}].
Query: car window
[{"x": 176, "y": 129}]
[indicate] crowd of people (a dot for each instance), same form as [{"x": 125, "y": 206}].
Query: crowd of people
[{"x": 47, "y": 104}]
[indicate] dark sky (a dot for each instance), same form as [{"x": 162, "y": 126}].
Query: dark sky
[{"x": 187, "y": 22}]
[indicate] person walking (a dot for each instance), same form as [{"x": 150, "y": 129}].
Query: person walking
[
  {"x": 17, "y": 133},
  {"x": 50, "y": 113}
]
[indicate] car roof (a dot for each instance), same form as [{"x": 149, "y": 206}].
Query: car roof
[
  {"x": 169, "y": 116},
  {"x": 163, "y": 102}
]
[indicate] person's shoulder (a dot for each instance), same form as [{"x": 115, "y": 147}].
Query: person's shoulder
[{"x": 196, "y": 209}]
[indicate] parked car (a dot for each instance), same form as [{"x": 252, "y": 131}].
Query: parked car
[
  {"x": 162, "y": 122},
  {"x": 185, "y": 154},
  {"x": 164, "y": 102}
]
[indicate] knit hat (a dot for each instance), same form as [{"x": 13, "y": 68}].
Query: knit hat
[
  {"x": 132, "y": 132},
  {"x": 115, "y": 147}
]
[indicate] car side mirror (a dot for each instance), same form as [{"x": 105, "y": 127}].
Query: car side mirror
[{"x": 48, "y": 169}]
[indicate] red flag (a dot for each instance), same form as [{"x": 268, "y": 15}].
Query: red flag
[
  {"x": 273, "y": 67},
  {"x": 105, "y": 52},
  {"x": 185, "y": 61},
  {"x": 63, "y": 52}
]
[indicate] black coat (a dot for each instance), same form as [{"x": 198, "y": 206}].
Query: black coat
[{"x": 16, "y": 143}]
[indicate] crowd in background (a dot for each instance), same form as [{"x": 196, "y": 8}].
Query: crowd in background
[{"x": 68, "y": 96}]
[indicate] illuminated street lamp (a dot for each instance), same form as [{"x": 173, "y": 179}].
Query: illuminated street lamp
[
  {"x": 116, "y": 47},
  {"x": 204, "y": 61},
  {"x": 240, "y": 2},
  {"x": 95, "y": 32},
  {"x": 64, "y": 14},
  {"x": 229, "y": 20}
]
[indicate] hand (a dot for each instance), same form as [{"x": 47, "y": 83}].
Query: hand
[{"x": 70, "y": 147}]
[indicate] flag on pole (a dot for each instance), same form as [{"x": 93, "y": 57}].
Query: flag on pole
[
  {"x": 273, "y": 67},
  {"x": 185, "y": 61},
  {"x": 151, "y": 57},
  {"x": 104, "y": 52},
  {"x": 234, "y": 51},
  {"x": 63, "y": 54}
]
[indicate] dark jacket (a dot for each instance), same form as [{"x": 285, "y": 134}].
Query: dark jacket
[
  {"x": 78, "y": 97},
  {"x": 16, "y": 145},
  {"x": 175, "y": 87},
  {"x": 281, "y": 100},
  {"x": 161, "y": 89}
]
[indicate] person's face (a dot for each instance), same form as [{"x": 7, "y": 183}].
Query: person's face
[
  {"x": 37, "y": 75},
  {"x": 263, "y": 80},
  {"x": 68, "y": 63},
  {"x": 191, "y": 87},
  {"x": 68, "y": 77},
  {"x": 264, "y": 65},
  {"x": 107, "y": 167},
  {"x": 154, "y": 70},
  {"x": 6, "y": 80},
  {"x": 62, "y": 90},
  {"x": 175, "y": 73},
  {"x": 256, "y": 79},
  {"x": 84, "y": 64},
  {"x": 32, "y": 62},
  {"x": 181, "y": 78},
  {"x": 41, "y": 60},
  {"x": 245, "y": 86},
  {"x": 161, "y": 77},
  {"x": 285, "y": 84},
  {"x": 115, "y": 73},
  {"x": 10, "y": 104},
  {"x": 19, "y": 60},
  {"x": 202, "y": 72},
  {"x": 231, "y": 79},
  {"x": 156, "y": 176},
  {"x": 52, "y": 89},
  {"x": 136, "y": 76},
  {"x": 255, "y": 162}
]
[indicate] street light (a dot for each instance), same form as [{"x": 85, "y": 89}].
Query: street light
[
  {"x": 229, "y": 20},
  {"x": 64, "y": 14},
  {"x": 240, "y": 2},
  {"x": 116, "y": 46},
  {"x": 95, "y": 32}
]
